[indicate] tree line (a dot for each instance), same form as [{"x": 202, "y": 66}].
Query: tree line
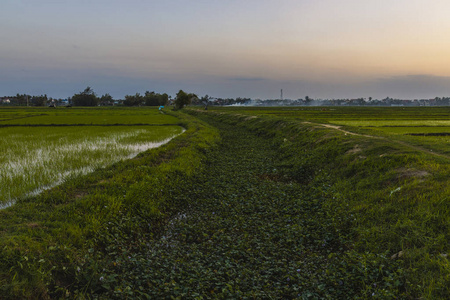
[
  {"x": 26, "y": 100},
  {"x": 89, "y": 98}
]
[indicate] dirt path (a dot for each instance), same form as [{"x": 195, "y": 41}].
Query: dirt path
[
  {"x": 418, "y": 148},
  {"x": 336, "y": 127}
]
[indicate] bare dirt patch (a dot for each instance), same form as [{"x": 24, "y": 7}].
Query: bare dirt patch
[
  {"x": 356, "y": 149},
  {"x": 80, "y": 195},
  {"x": 405, "y": 173},
  {"x": 274, "y": 177},
  {"x": 33, "y": 225}
]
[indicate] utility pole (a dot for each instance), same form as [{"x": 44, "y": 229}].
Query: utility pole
[{"x": 281, "y": 94}]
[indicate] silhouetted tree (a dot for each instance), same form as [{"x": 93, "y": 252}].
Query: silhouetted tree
[
  {"x": 205, "y": 101},
  {"x": 184, "y": 99},
  {"x": 133, "y": 100},
  {"x": 163, "y": 99},
  {"x": 85, "y": 98},
  {"x": 21, "y": 99},
  {"x": 307, "y": 99},
  {"x": 106, "y": 99},
  {"x": 154, "y": 99},
  {"x": 39, "y": 100}
]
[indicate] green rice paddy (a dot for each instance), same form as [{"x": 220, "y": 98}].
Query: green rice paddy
[
  {"x": 41, "y": 149},
  {"x": 84, "y": 116},
  {"x": 427, "y": 127}
]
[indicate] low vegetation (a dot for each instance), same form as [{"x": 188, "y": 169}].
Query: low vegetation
[
  {"x": 46, "y": 239},
  {"x": 39, "y": 151},
  {"x": 101, "y": 116},
  {"x": 387, "y": 198},
  {"x": 245, "y": 204},
  {"x": 34, "y": 158}
]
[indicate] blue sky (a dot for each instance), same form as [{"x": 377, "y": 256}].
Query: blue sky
[{"x": 246, "y": 48}]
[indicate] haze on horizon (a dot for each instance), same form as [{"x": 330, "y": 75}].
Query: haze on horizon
[{"x": 250, "y": 48}]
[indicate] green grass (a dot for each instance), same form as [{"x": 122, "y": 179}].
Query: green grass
[
  {"x": 413, "y": 122},
  {"x": 46, "y": 239},
  {"x": 394, "y": 123},
  {"x": 362, "y": 113},
  {"x": 249, "y": 232},
  {"x": 42, "y": 147},
  {"x": 248, "y": 203},
  {"x": 397, "y": 194},
  {"x": 36, "y": 158},
  {"x": 106, "y": 116}
]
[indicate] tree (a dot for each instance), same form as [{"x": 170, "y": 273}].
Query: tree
[
  {"x": 151, "y": 99},
  {"x": 183, "y": 99},
  {"x": 154, "y": 99},
  {"x": 85, "y": 98},
  {"x": 133, "y": 100},
  {"x": 22, "y": 99},
  {"x": 39, "y": 100},
  {"x": 106, "y": 99},
  {"x": 163, "y": 99},
  {"x": 205, "y": 101}
]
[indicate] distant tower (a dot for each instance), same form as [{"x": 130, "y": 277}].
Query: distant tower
[{"x": 281, "y": 94}]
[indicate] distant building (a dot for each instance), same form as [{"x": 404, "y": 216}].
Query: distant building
[{"x": 5, "y": 100}]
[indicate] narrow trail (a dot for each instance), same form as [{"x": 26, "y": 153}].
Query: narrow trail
[
  {"x": 247, "y": 235},
  {"x": 418, "y": 148},
  {"x": 336, "y": 127}
]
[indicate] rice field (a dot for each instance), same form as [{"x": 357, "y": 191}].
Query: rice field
[
  {"x": 433, "y": 135},
  {"x": 84, "y": 116},
  {"x": 426, "y": 127},
  {"x": 35, "y": 158}
]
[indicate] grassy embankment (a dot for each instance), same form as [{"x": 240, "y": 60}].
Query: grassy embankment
[
  {"x": 396, "y": 193},
  {"x": 426, "y": 127},
  {"x": 283, "y": 208},
  {"x": 45, "y": 240},
  {"x": 296, "y": 210}
]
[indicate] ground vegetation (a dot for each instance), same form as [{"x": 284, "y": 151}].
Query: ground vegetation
[{"x": 245, "y": 204}]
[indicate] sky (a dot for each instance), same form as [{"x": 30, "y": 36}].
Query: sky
[{"x": 247, "y": 48}]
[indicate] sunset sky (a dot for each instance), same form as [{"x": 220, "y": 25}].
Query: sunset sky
[{"x": 227, "y": 48}]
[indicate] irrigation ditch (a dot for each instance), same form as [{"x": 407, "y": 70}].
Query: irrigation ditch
[{"x": 239, "y": 207}]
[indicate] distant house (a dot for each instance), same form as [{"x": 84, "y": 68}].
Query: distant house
[{"x": 5, "y": 100}]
